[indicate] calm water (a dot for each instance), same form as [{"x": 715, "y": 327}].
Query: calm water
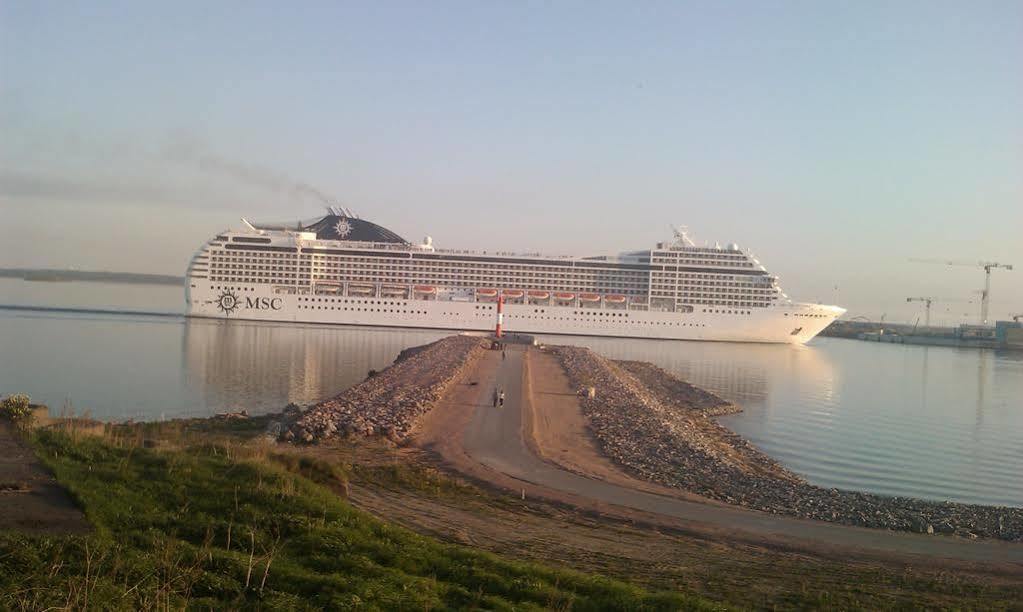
[{"x": 931, "y": 422}]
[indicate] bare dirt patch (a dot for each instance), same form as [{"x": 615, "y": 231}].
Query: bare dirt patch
[{"x": 30, "y": 498}]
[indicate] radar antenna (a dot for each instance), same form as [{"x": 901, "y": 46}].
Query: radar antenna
[
  {"x": 251, "y": 226},
  {"x": 682, "y": 235}
]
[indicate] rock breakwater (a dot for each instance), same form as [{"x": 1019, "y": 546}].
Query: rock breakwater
[
  {"x": 390, "y": 402},
  {"x": 677, "y": 393},
  {"x": 660, "y": 429}
]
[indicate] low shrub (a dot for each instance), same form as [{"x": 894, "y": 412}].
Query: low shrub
[{"x": 16, "y": 408}]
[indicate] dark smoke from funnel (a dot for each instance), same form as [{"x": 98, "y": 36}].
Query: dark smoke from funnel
[
  {"x": 259, "y": 177},
  {"x": 248, "y": 174}
]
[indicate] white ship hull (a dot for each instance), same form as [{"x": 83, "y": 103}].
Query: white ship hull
[
  {"x": 344, "y": 270},
  {"x": 783, "y": 323}
]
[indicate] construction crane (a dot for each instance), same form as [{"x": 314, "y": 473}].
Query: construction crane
[
  {"x": 986, "y": 292},
  {"x": 927, "y": 306}
]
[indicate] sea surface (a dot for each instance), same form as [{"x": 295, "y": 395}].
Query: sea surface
[{"x": 932, "y": 422}]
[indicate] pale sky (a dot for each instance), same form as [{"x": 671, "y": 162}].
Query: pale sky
[{"x": 836, "y": 140}]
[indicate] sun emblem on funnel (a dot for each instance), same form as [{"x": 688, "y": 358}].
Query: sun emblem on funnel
[
  {"x": 227, "y": 302},
  {"x": 343, "y": 228}
]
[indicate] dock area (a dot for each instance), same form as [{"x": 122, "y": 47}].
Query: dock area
[{"x": 1006, "y": 335}]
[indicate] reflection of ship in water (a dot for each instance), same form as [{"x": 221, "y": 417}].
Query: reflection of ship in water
[
  {"x": 745, "y": 374},
  {"x": 744, "y": 383},
  {"x": 734, "y": 372},
  {"x": 261, "y": 368}
]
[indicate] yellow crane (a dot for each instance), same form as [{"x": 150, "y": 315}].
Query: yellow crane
[{"x": 987, "y": 265}]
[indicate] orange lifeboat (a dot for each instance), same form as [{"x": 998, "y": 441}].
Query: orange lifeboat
[
  {"x": 427, "y": 289},
  {"x": 614, "y": 299},
  {"x": 361, "y": 289},
  {"x": 589, "y": 297},
  {"x": 327, "y": 288},
  {"x": 513, "y": 294},
  {"x": 486, "y": 294},
  {"x": 393, "y": 290},
  {"x": 564, "y": 297},
  {"x": 539, "y": 295}
]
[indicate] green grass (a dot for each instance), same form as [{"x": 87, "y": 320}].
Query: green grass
[{"x": 197, "y": 528}]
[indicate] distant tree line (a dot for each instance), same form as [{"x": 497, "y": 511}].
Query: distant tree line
[{"x": 50, "y": 274}]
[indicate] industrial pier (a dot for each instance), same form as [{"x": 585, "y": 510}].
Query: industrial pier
[{"x": 1004, "y": 335}]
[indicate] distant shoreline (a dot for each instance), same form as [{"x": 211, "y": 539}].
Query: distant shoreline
[{"x": 56, "y": 275}]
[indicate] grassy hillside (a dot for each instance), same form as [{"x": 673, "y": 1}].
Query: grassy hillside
[{"x": 201, "y": 527}]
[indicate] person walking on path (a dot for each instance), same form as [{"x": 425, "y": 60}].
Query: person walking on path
[{"x": 500, "y": 399}]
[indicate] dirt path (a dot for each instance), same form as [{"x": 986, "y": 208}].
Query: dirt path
[
  {"x": 487, "y": 444},
  {"x": 556, "y": 429},
  {"x": 30, "y": 498}
]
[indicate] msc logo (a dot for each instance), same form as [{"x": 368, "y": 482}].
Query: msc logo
[
  {"x": 228, "y": 302},
  {"x": 263, "y": 303}
]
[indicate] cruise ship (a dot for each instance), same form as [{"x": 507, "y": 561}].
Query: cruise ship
[{"x": 342, "y": 269}]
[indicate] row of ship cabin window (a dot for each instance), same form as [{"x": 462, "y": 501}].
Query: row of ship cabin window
[
  {"x": 354, "y": 309},
  {"x": 486, "y": 307}
]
